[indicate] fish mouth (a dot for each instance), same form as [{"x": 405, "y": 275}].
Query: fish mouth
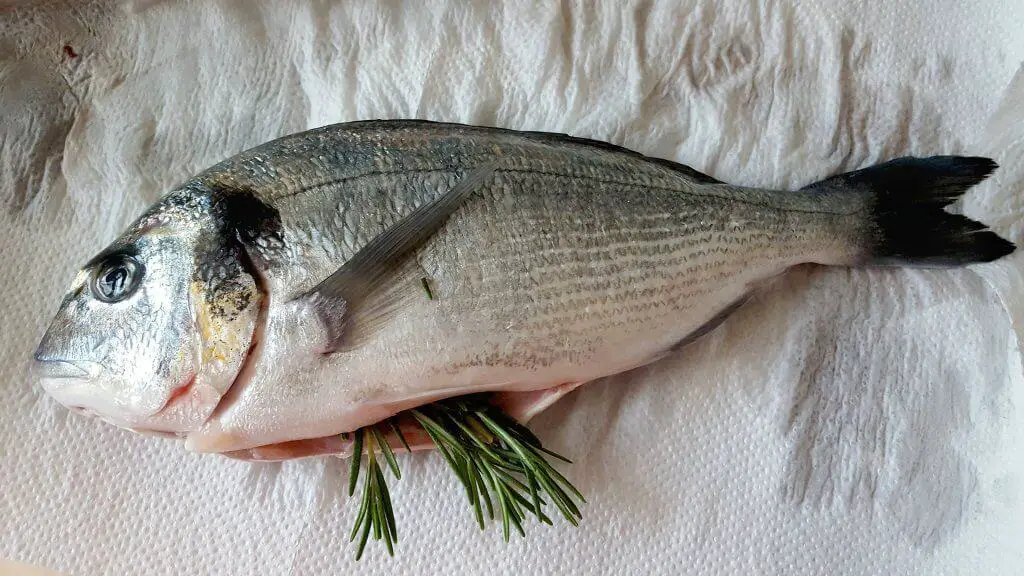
[
  {"x": 57, "y": 369},
  {"x": 178, "y": 397},
  {"x": 64, "y": 380},
  {"x": 68, "y": 382}
]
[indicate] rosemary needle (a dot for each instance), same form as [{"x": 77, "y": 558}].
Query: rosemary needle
[
  {"x": 375, "y": 512},
  {"x": 357, "y": 451},
  {"x": 501, "y": 465},
  {"x": 385, "y": 448}
]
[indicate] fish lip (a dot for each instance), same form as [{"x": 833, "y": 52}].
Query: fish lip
[
  {"x": 154, "y": 432},
  {"x": 176, "y": 395},
  {"x": 58, "y": 369},
  {"x": 48, "y": 371}
]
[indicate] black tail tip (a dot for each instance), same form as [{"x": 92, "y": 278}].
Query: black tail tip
[
  {"x": 964, "y": 168},
  {"x": 989, "y": 246},
  {"x": 912, "y": 226}
]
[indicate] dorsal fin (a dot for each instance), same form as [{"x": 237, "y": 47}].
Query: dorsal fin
[{"x": 358, "y": 298}]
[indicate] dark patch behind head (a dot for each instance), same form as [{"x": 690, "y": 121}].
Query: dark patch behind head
[{"x": 244, "y": 214}]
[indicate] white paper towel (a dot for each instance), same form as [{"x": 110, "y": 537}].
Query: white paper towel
[{"x": 847, "y": 422}]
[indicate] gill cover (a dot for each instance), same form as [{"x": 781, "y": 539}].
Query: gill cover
[{"x": 156, "y": 328}]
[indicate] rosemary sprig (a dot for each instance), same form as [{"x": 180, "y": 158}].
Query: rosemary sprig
[
  {"x": 375, "y": 511},
  {"x": 500, "y": 463}
]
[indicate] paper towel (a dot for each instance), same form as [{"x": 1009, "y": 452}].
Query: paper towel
[{"x": 846, "y": 422}]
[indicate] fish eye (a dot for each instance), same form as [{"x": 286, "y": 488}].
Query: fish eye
[{"x": 117, "y": 278}]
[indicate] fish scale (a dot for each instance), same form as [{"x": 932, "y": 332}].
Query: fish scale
[{"x": 549, "y": 260}]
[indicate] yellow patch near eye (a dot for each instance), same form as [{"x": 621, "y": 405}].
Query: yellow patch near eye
[
  {"x": 219, "y": 341},
  {"x": 223, "y": 328}
]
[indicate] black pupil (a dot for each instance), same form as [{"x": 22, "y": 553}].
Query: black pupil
[{"x": 114, "y": 281}]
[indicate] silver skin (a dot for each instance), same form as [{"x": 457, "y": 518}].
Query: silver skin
[
  {"x": 158, "y": 360},
  {"x": 571, "y": 261}
]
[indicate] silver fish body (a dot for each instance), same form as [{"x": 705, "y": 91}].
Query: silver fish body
[{"x": 396, "y": 263}]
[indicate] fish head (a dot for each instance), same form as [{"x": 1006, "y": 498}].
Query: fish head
[{"x": 153, "y": 330}]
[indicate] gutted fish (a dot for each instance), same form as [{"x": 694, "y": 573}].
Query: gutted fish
[{"x": 328, "y": 280}]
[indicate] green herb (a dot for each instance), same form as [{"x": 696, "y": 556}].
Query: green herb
[
  {"x": 500, "y": 463},
  {"x": 375, "y": 512},
  {"x": 426, "y": 288}
]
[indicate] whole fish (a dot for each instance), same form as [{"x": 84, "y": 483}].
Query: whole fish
[{"x": 330, "y": 279}]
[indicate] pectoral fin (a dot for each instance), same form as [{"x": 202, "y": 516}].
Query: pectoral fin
[{"x": 359, "y": 297}]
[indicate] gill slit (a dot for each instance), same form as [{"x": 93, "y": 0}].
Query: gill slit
[{"x": 256, "y": 342}]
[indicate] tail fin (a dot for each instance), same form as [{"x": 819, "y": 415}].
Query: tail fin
[{"x": 909, "y": 224}]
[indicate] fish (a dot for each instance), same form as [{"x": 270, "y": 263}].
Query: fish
[{"x": 330, "y": 279}]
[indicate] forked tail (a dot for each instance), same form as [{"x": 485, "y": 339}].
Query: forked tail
[{"x": 909, "y": 225}]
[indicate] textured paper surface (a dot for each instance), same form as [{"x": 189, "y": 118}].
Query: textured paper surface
[{"x": 845, "y": 422}]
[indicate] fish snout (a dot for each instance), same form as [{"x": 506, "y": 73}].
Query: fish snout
[
  {"x": 48, "y": 368},
  {"x": 68, "y": 382},
  {"x": 50, "y": 362}
]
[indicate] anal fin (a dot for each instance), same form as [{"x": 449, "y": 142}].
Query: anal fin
[
  {"x": 523, "y": 406},
  {"x": 710, "y": 325}
]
